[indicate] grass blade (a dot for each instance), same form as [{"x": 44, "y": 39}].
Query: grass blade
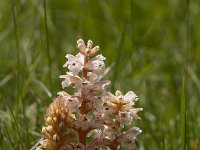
[
  {"x": 17, "y": 127},
  {"x": 183, "y": 116},
  {"x": 18, "y": 56},
  {"x": 47, "y": 44}
]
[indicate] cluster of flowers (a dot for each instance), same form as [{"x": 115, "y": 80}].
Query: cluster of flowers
[{"x": 91, "y": 118}]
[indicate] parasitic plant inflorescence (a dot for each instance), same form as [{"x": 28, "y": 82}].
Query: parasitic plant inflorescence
[{"x": 91, "y": 118}]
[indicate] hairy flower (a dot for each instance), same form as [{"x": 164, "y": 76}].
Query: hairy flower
[
  {"x": 74, "y": 63},
  {"x": 84, "y": 85},
  {"x": 71, "y": 102},
  {"x": 124, "y": 117},
  {"x": 127, "y": 138},
  {"x": 121, "y": 102},
  {"x": 83, "y": 122},
  {"x": 91, "y": 111},
  {"x": 70, "y": 80},
  {"x": 96, "y": 64}
]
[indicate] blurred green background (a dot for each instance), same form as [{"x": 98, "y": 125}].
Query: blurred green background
[{"x": 151, "y": 44}]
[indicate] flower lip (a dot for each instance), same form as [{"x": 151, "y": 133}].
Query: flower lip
[{"x": 74, "y": 63}]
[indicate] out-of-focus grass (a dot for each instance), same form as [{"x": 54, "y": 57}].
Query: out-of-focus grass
[
  {"x": 152, "y": 44},
  {"x": 183, "y": 117}
]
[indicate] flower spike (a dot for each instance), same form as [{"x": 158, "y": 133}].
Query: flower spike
[{"x": 91, "y": 111}]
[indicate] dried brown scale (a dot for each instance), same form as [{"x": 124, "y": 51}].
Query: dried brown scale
[{"x": 57, "y": 117}]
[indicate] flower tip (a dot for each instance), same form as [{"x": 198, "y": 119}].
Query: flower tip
[
  {"x": 81, "y": 46},
  {"x": 89, "y": 44},
  {"x": 65, "y": 65},
  {"x": 79, "y": 41},
  {"x": 97, "y": 46},
  {"x": 43, "y": 129},
  {"x": 67, "y": 56},
  {"x": 62, "y": 76}
]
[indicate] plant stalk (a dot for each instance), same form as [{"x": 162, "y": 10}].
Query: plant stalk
[{"x": 83, "y": 108}]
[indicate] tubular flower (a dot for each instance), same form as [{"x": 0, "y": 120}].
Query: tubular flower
[{"x": 91, "y": 111}]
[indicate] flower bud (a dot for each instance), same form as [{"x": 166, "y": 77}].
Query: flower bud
[
  {"x": 49, "y": 120},
  {"x": 81, "y": 46},
  {"x": 43, "y": 130},
  {"x": 56, "y": 137},
  {"x": 50, "y": 129},
  {"x": 89, "y": 44},
  {"x": 94, "y": 50},
  {"x": 55, "y": 119}
]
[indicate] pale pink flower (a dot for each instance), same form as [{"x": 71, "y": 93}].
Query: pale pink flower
[
  {"x": 134, "y": 111},
  {"x": 70, "y": 80},
  {"x": 100, "y": 85},
  {"x": 92, "y": 77},
  {"x": 83, "y": 122},
  {"x": 124, "y": 117},
  {"x": 71, "y": 102},
  {"x": 111, "y": 131},
  {"x": 84, "y": 85},
  {"x": 96, "y": 100},
  {"x": 121, "y": 102},
  {"x": 74, "y": 63},
  {"x": 96, "y": 65},
  {"x": 127, "y": 138}
]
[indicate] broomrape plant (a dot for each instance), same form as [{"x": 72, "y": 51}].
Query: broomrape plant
[{"x": 91, "y": 118}]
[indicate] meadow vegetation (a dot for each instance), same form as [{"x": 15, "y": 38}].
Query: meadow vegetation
[{"x": 152, "y": 48}]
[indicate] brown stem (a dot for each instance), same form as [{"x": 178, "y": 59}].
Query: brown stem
[
  {"x": 113, "y": 146},
  {"x": 83, "y": 108},
  {"x": 82, "y": 137},
  {"x": 84, "y": 75}
]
